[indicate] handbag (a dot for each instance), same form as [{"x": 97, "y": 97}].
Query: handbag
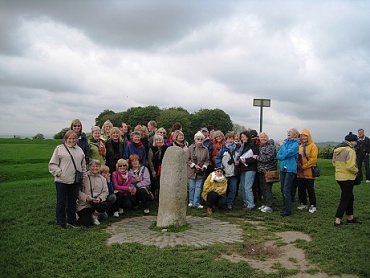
[
  {"x": 78, "y": 174},
  {"x": 315, "y": 171},
  {"x": 272, "y": 176},
  {"x": 357, "y": 180}
]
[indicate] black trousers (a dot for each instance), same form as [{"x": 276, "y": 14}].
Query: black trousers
[
  {"x": 266, "y": 189},
  {"x": 306, "y": 186},
  {"x": 124, "y": 200},
  {"x": 346, "y": 199},
  {"x": 85, "y": 215},
  {"x": 214, "y": 199}
]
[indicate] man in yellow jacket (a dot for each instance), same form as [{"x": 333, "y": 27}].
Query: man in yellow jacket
[{"x": 344, "y": 161}]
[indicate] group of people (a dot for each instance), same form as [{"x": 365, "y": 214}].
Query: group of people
[
  {"x": 121, "y": 170},
  {"x": 243, "y": 161}
]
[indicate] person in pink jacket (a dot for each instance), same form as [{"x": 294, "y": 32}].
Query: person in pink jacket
[{"x": 122, "y": 180}]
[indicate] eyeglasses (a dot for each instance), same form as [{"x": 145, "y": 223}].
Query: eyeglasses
[
  {"x": 162, "y": 132},
  {"x": 76, "y": 126},
  {"x": 199, "y": 139},
  {"x": 122, "y": 166}
]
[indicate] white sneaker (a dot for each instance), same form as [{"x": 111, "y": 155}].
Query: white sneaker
[
  {"x": 367, "y": 181},
  {"x": 302, "y": 207},
  {"x": 200, "y": 207},
  {"x": 146, "y": 211},
  {"x": 120, "y": 211},
  {"x": 261, "y": 207},
  {"x": 266, "y": 209},
  {"x": 312, "y": 209},
  {"x": 95, "y": 220},
  {"x": 190, "y": 205},
  {"x": 115, "y": 214}
]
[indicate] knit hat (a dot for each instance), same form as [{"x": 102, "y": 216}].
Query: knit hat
[
  {"x": 199, "y": 134},
  {"x": 350, "y": 137},
  {"x": 253, "y": 133}
]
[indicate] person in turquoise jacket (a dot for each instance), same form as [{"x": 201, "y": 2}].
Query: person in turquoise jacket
[{"x": 288, "y": 156}]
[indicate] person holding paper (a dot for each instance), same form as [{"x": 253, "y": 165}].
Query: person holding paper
[{"x": 248, "y": 168}]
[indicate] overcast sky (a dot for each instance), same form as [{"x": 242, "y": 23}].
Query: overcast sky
[{"x": 61, "y": 60}]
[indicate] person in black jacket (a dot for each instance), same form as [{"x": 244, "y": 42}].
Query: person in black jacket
[
  {"x": 82, "y": 142},
  {"x": 362, "y": 153},
  {"x": 114, "y": 149},
  {"x": 248, "y": 168}
]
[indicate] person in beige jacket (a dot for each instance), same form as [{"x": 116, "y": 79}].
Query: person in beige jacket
[
  {"x": 92, "y": 196},
  {"x": 62, "y": 168}
]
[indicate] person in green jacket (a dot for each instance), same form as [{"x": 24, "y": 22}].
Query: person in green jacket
[{"x": 344, "y": 161}]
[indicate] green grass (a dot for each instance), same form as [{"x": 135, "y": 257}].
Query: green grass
[{"x": 31, "y": 244}]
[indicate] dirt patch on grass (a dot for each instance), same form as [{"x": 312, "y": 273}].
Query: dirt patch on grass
[{"x": 271, "y": 255}]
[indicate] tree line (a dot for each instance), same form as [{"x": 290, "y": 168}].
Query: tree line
[{"x": 191, "y": 122}]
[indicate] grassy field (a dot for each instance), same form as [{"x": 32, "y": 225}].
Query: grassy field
[{"x": 32, "y": 245}]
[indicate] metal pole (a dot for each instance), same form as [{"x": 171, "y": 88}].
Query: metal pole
[{"x": 261, "y": 114}]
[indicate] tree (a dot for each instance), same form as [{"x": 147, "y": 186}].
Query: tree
[
  {"x": 141, "y": 115},
  {"x": 169, "y": 116},
  {"x": 237, "y": 128},
  {"x": 60, "y": 134},
  {"x": 38, "y": 136},
  {"x": 216, "y": 117},
  {"x": 103, "y": 116}
]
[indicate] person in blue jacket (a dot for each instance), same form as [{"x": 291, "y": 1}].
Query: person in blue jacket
[{"x": 288, "y": 157}]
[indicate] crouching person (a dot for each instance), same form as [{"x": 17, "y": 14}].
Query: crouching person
[
  {"x": 214, "y": 190},
  {"x": 92, "y": 196},
  {"x": 112, "y": 198}
]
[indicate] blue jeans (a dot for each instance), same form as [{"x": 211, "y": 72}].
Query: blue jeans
[
  {"x": 286, "y": 180},
  {"x": 232, "y": 185},
  {"x": 195, "y": 190},
  {"x": 67, "y": 195},
  {"x": 246, "y": 182}
]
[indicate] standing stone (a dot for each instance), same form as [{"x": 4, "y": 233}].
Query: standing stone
[{"x": 173, "y": 191}]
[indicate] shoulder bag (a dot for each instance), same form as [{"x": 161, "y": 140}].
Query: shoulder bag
[
  {"x": 78, "y": 174},
  {"x": 272, "y": 176}
]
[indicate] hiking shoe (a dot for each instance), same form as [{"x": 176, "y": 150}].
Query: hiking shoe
[
  {"x": 209, "y": 211},
  {"x": 353, "y": 221},
  {"x": 116, "y": 214},
  {"x": 190, "y": 205},
  {"x": 95, "y": 220},
  {"x": 230, "y": 207},
  {"x": 120, "y": 211},
  {"x": 146, "y": 211},
  {"x": 266, "y": 209},
  {"x": 312, "y": 209},
  {"x": 261, "y": 207},
  {"x": 367, "y": 181},
  {"x": 302, "y": 207},
  {"x": 200, "y": 207},
  {"x": 338, "y": 224},
  {"x": 70, "y": 225}
]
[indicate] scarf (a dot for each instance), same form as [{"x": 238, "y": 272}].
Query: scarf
[
  {"x": 215, "y": 178},
  {"x": 231, "y": 147},
  {"x": 180, "y": 144},
  {"x": 100, "y": 145},
  {"x": 138, "y": 145}
]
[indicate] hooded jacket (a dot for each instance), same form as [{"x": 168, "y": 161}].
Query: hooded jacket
[
  {"x": 344, "y": 161},
  {"x": 288, "y": 155},
  {"x": 308, "y": 153}
]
